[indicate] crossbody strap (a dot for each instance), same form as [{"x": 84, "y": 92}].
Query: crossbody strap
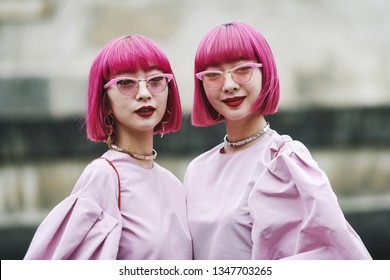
[{"x": 119, "y": 182}]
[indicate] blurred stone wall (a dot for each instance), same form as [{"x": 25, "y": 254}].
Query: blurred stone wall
[{"x": 334, "y": 65}]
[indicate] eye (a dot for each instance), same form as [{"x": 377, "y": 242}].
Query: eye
[
  {"x": 212, "y": 75},
  {"x": 126, "y": 83},
  {"x": 243, "y": 70},
  {"x": 156, "y": 81}
]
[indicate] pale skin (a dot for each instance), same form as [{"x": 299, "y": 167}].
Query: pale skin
[
  {"x": 134, "y": 130},
  {"x": 240, "y": 121}
]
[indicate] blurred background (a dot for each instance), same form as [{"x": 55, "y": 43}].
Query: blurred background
[{"x": 334, "y": 64}]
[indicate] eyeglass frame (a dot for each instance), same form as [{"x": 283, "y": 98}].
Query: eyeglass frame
[
  {"x": 252, "y": 65},
  {"x": 114, "y": 81}
]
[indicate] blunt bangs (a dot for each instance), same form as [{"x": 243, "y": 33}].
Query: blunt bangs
[
  {"x": 228, "y": 43},
  {"x": 121, "y": 55},
  {"x": 133, "y": 53},
  {"x": 224, "y": 45}
]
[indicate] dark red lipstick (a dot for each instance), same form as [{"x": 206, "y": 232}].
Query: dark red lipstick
[
  {"x": 145, "y": 111},
  {"x": 234, "y": 101}
]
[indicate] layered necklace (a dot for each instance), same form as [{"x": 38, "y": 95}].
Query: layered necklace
[
  {"x": 134, "y": 155},
  {"x": 246, "y": 140}
]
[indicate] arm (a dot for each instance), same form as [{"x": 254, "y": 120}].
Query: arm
[
  {"x": 85, "y": 225},
  {"x": 296, "y": 214}
]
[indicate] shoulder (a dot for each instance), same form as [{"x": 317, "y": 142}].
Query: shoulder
[
  {"x": 98, "y": 180},
  {"x": 100, "y": 168},
  {"x": 284, "y": 145},
  {"x": 292, "y": 172},
  {"x": 289, "y": 147},
  {"x": 167, "y": 175},
  {"x": 291, "y": 158},
  {"x": 206, "y": 156}
]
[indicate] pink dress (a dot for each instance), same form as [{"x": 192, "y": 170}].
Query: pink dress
[
  {"x": 269, "y": 201},
  {"x": 151, "y": 223}
]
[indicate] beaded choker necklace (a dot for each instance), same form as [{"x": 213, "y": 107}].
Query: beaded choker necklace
[
  {"x": 246, "y": 140},
  {"x": 134, "y": 155}
]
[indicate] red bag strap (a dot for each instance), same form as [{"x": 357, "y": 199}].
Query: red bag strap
[{"x": 119, "y": 182}]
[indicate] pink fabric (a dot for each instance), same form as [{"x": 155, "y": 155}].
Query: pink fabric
[
  {"x": 88, "y": 224},
  {"x": 269, "y": 201}
]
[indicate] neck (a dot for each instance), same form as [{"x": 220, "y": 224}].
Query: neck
[
  {"x": 139, "y": 143},
  {"x": 242, "y": 129}
]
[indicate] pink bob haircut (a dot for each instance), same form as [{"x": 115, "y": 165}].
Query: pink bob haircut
[
  {"x": 121, "y": 55},
  {"x": 228, "y": 43}
]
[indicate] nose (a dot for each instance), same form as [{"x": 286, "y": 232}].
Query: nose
[
  {"x": 229, "y": 85},
  {"x": 143, "y": 92}
]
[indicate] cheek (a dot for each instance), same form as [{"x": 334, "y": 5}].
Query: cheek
[
  {"x": 256, "y": 91},
  {"x": 254, "y": 88},
  {"x": 259, "y": 83},
  {"x": 117, "y": 105},
  {"x": 211, "y": 95},
  {"x": 107, "y": 104},
  {"x": 110, "y": 102},
  {"x": 162, "y": 102}
]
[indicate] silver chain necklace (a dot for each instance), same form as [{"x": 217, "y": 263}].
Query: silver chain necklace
[
  {"x": 246, "y": 140},
  {"x": 134, "y": 155}
]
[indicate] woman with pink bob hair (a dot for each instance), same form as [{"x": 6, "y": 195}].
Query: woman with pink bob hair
[
  {"x": 124, "y": 205},
  {"x": 258, "y": 194}
]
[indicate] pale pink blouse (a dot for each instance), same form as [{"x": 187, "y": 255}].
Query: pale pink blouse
[
  {"x": 268, "y": 201},
  {"x": 151, "y": 223}
]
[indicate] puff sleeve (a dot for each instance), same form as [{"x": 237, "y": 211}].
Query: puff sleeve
[
  {"x": 85, "y": 225},
  {"x": 295, "y": 211}
]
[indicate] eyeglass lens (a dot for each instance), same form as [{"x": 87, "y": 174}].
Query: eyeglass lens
[
  {"x": 129, "y": 86},
  {"x": 239, "y": 75}
]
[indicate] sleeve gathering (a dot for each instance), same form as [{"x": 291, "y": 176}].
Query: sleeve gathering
[{"x": 296, "y": 214}]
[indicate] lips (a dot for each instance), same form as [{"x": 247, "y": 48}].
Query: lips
[
  {"x": 145, "y": 111},
  {"x": 234, "y": 101}
]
